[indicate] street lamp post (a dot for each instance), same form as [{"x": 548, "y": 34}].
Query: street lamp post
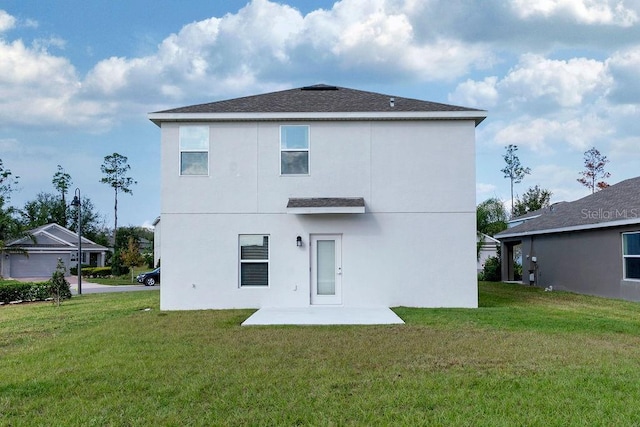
[{"x": 76, "y": 203}]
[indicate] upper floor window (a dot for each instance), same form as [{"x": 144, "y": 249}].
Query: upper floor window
[
  {"x": 631, "y": 255},
  {"x": 294, "y": 150},
  {"x": 194, "y": 150}
]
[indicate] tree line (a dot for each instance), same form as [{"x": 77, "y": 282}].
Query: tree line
[
  {"x": 54, "y": 207},
  {"x": 492, "y": 215}
]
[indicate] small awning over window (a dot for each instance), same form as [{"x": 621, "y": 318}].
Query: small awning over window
[{"x": 326, "y": 205}]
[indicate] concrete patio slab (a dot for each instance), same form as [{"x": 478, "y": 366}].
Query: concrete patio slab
[{"x": 323, "y": 316}]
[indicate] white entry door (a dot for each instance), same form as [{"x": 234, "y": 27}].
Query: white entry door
[{"x": 326, "y": 269}]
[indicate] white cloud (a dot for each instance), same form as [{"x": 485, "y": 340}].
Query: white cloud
[
  {"x": 603, "y": 12},
  {"x": 7, "y": 21},
  {"x": 539, "y": 86},
  {"x": 542, "y": 135},
  {"x": 37, "y": 88},
  {"x": 565, "y": 83},
  {"x": 472, "y": 93},
  {"x": 532, "y": 134},
  {"x": 391, "y": 41},
  {"x": 376, "y": 38}
]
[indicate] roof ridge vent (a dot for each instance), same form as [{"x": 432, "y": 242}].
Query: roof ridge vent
[{"x": 319, "y": 87}]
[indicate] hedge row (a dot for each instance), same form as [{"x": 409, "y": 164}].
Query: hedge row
[
  {"x": 96, "y": 271},
  {"x": 28, "y": 292}
]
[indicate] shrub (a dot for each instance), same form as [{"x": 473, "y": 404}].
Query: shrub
[
  {"x": 517, "y": 271},
  {"x": 491, "y": 271},
  {"x": 40, "y": 291},
  {"x": 96, "y": 272},
  {"x": 74, "y": 270},
  {"x": 27, "y": 292},
  {"x": 148, "y": 259},
  {"x": 58, "y": 286},
  {"x": 101, "y": 272},
  {"x": 14, "y": 292},
  {"x": 116, "y": 264}
]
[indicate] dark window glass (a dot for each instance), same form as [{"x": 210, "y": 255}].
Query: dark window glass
[
  {"x": 632, "y": 268},
  {"x": 295, "y": 163},
  {"x": 631, "y": 243},
  {"x": 254, "y": 274}
]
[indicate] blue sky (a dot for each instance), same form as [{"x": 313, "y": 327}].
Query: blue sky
[{"x": 77, "y": 79}]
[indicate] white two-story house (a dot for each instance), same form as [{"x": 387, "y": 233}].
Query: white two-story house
[{"x": 319, "y": 195}]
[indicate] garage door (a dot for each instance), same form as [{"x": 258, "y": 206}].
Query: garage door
[{"x": 35, "y": 265}]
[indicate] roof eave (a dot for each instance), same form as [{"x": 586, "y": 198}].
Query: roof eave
[
  {"x": 476, "y": 115},
  {"x": 584, "y": 227}
]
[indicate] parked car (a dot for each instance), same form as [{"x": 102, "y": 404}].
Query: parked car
[{"x": 150, "y": 278}]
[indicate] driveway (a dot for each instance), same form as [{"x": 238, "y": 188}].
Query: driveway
[{"x": 94, "y": 288}]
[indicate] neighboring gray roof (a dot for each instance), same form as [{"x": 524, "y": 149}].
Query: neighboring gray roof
[
  {"x": 54, "y": 236},
  {"x": 616, "y": 205},
  {"x": 320, "y": 99},
  {"x": 326, "y": 202}
]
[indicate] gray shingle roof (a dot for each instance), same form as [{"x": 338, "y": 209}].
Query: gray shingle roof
[
  {"x": 53, "y": 235},
  {"x": 318, "y": 99},
  {"x": 619, "y": 202}
]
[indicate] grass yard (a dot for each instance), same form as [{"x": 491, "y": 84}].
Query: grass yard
[{"x": 526, "y": 357}]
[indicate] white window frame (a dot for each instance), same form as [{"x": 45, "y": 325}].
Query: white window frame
[
  {"x": 254, "y": 261},
  {"x": 193, "y": 150},
  {"x": 299, "y": 150},
  {"x": 624, "y": 258}
]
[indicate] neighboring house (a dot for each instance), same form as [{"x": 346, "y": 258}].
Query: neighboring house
[
  {"x": 487, "y": 247},
  {"x": 590, "y": 246},
  {"x": 37, "y": 254},
  {"x": 156, "y": 242},
  {"x": 319, "y": 195}
]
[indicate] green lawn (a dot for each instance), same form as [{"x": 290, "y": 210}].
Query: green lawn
[{"x": 526, "y": 357}]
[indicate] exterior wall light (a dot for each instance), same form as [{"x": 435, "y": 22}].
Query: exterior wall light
[{"x": 298, "y": 241}]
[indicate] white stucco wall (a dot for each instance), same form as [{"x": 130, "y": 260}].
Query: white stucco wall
[{"x": 414, "y": 246}]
